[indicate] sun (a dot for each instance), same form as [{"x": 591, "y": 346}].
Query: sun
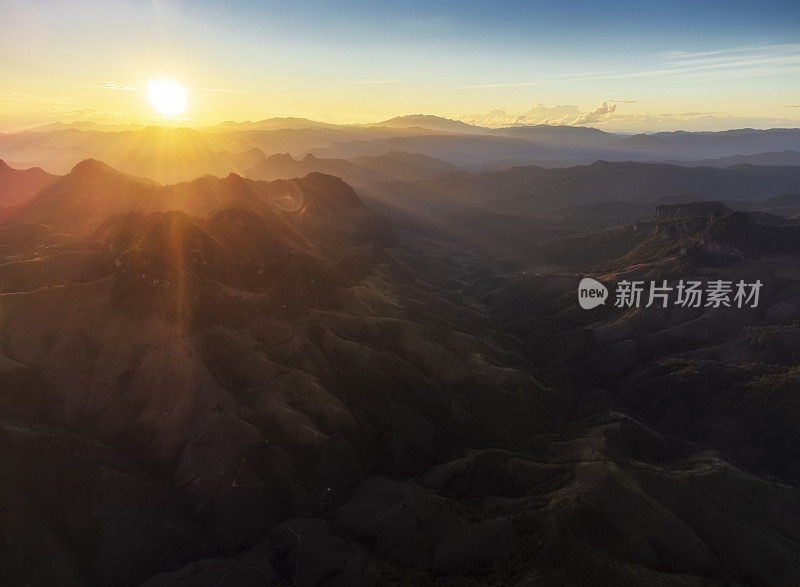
[{"x": 167, "y": 97}]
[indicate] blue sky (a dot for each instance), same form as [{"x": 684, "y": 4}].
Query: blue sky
[{"x": 622, "y": 65}]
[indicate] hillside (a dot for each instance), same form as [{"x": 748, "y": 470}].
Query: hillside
[
  {"x": 239, "y": 367},
  {"x": 19, "y": 185},
  {"x": 532, "y": 189}
]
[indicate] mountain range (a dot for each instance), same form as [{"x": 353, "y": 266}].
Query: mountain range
[
  {"x": 56, "y": 148},
  {"x": 371, "y": 368}
]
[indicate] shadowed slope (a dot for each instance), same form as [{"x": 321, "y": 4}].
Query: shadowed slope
[{"x": 19, "y": 185}]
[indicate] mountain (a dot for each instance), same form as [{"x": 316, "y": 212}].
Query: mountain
[
  {"x": 579, "y": 136},
  {"x": 169, "y": 154},
  {"x": 178, "y": 154},
  {"x": 85, "y": 125},
  {"x": 352, "y": 362},
  {"x": 256, "y": 353},
  {"x": 434, "y": 123},
  {"x": 466, "y": 149},
  {"x": 705, "y": 145},
  {"x": 284, "y": 166},
  {"x": 94, "y": 191},
  {"x": 272, "y": 124},
  {"x": 719, "y": 377},
  {"x": 561, "y": 143},
  {"x": 787, "y": 157},
  {"x": 786, "y": 205},
  {"x": 532, "y": 189},
  {"x": 86, "y": 196},
  {"x": 266, "y": 381},
  {"x": 400, "y": 165},
  {"x": 19, "y": 185},
  {"x": 359, "y": 171}
]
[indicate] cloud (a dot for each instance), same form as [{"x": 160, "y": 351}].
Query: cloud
[
  {"x": 598, "y": 114},
  {"x": 119, "y": 87},
  {"x": 539, "y": 114},
  {"x": 745, "y": 62},
  {"x": 608, "y": 117},
  {"x": 542, "y": 114},
  {"x": 734, "y": 63}
]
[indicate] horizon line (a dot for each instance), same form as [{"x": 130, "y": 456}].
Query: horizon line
[{"x": 137, "y": 126}]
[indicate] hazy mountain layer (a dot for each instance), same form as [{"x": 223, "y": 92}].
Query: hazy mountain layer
[{"x": 175, "y": 154}]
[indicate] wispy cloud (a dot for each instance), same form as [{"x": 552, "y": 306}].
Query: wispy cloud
[
  {"x": 119, "y": 87},
  {"x": 751, "y": 61},
  {"x": 737, "y": 62}
]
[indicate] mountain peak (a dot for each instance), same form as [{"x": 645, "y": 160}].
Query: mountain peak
[
  {"x": 90, "y": 169},
  {"x": 92, "y": 166},
  {"x": 323, "y": 188},
  {"x": 281, "y": 157},
  {"x": 255, "y": 152},
  {"x": 430, "y": 122}
]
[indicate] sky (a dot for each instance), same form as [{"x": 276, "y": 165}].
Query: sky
[{"x": 622, "y": 66}]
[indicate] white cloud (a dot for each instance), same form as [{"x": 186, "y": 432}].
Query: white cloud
[
  {"x": 607, "y": 117},
  {"x": 542, "y": 114},
  {"x": 119, "y": 87},
  {"x": 597, "y": 115}
]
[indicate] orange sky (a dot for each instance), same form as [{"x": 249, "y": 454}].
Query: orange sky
[{"x": 622, "y": 67}]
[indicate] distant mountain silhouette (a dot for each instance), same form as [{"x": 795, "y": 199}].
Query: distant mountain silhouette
[
  {"x": 531, "y": 189},
  {"x": 284, "y": 166},
  {"x": 94, "y": 191},
  {"x": 578, "y": 136},
  {"x": 174, "y": 154},
  {"x": 358, "y": 171},
  {"x": 86, "y": 125},
  {"x": 19, "y": 185},
  {"x": 782, "y": 158},
  {"x": 434, "y": 123},
  {"x": 704, "y": 145},
  {"x": 400, "y": 165},
  {"x": 273, "y": 124}
]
